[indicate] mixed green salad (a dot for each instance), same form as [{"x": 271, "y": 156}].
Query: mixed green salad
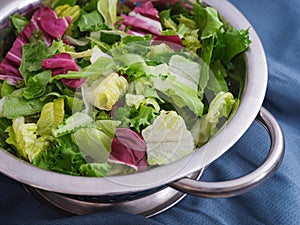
[{"x": 106, "y": 87}]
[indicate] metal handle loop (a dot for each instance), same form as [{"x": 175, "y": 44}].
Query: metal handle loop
[{"x": 243, "y": 184}]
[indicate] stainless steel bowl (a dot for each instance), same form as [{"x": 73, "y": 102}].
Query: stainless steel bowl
[{"x": 86, "y": 194}]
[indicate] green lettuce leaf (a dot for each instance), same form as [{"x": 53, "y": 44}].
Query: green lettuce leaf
[
  {"x": 72, "y": 11},
  {"x": 91, "y": 22},
  {"x": 108, "y": 92},
  {"x": 37, "y": 85},
  {"x": 136, "y": 119},
  {"x": 24, "y": 138},
  {"x": 108, "y": 127},
  {"x": 63, "y": 157},
  {"x": 186, "y": 71},
  {"x": 15, "y": 105},
  {"x": 98, "y": 68},
  {"x": 108, "y": 9},
  {"x": 56, "y": 3},
  {"x": 229, "y": 44},
  {"x": 19, "y": 22},
  {"x": 179, "y": 94},
  {"x": 221, "y": 107},
  {"x": 73, "y": 123},
  {"x": 51, "y": 116},
  {"x": 167, "y": 139},
  {"x": 207, "y": 21},
  {"x": 4, "y": 124},
  {"x": 6, "y": 88},
  {"x": 95, "y": 169},
  {"x": 94, "y": 144}
]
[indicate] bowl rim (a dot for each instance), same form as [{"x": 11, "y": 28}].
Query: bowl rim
[{"x": 252, "y": 100}]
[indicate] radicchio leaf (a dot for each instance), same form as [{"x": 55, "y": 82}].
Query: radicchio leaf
[
  {"x": 147, "y": 9},
  {"x": 129, "y": 148},
  {"x": 44, "y": 20},
  {"x": 61, "y": 64}
]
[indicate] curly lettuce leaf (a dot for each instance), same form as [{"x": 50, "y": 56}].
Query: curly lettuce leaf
[
  {"x": 95, "y": 169},
  {"x": 167, "y": 139},
  {"x": 229, "y": 44},
  {"x": 32, "y": 56},
  {"x": 136, "y": 119},
  {"x": 207, "y": 21},
  {"x": 63, "y": 157}
]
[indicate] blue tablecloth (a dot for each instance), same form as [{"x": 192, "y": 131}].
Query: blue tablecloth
[{"x": 276, "y": 201}]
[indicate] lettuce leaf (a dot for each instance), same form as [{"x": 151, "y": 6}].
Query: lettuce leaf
[
  {"x": 24, "y": 138},
  {"x": 56, "y": 3},
  {"x": 108, "y": 92},
  {"x": 15, "y": 105},
  {"x": 221, "y": 107},
  {"x": 108, "y": 9},
  {"x": 63, "y": 157},
  {"x": 98, "y": 68},
  {"x": 179, "y": 94},
  {"x": 32, "y": 57},
  {"x": 19, "y": 22},
  {"x": 186, "y": 71},
  {"x": 91, "y": 22},
  {"x": 136, "y": 119},
  {"x": 95, "y": 169},
  {"x": 207, "y": 21},
  {"x": 94, "y": 144},
  {"x": 51, "y": 116},
  {"x": 167, "y": 139},
  {"x": 37, "y": 85},
  {"x": 73, "y": 123},
  {"x": 70, "y": 10}
]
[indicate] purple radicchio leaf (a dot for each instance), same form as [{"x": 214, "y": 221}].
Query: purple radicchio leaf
[
  {"x": 140, "y": 26},
  {"x": 61, "y": 64},
  {"x": 52, "y": 27},
  {"x": 129, "y": 148},
  {"x": 173, "y": 41},
  {"x": 147, "y": 9}
]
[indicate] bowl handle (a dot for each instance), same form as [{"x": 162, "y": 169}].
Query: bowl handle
[{"x": 243, "y": 184}]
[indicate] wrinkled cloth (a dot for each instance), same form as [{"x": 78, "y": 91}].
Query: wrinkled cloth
[{"x": 276, "y": 201}]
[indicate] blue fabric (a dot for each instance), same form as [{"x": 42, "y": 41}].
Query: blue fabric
[{"x": 276, "y": 201}]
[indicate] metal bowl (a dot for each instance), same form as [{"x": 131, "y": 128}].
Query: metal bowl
[{"x": 85, "y": 194}]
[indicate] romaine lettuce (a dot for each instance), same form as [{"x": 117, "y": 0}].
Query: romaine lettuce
[
  {"x": 108, "y": 92},
  {"x": 167, "y": 139},
  {"x": 221, "y": 107},
  {"x": 51, "y": 116}
]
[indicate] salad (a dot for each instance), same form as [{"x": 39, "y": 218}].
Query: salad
[{"x": 107, "y": 87}]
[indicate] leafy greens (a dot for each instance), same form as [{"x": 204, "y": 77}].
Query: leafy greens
[{"x": 99, "y": 88}]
